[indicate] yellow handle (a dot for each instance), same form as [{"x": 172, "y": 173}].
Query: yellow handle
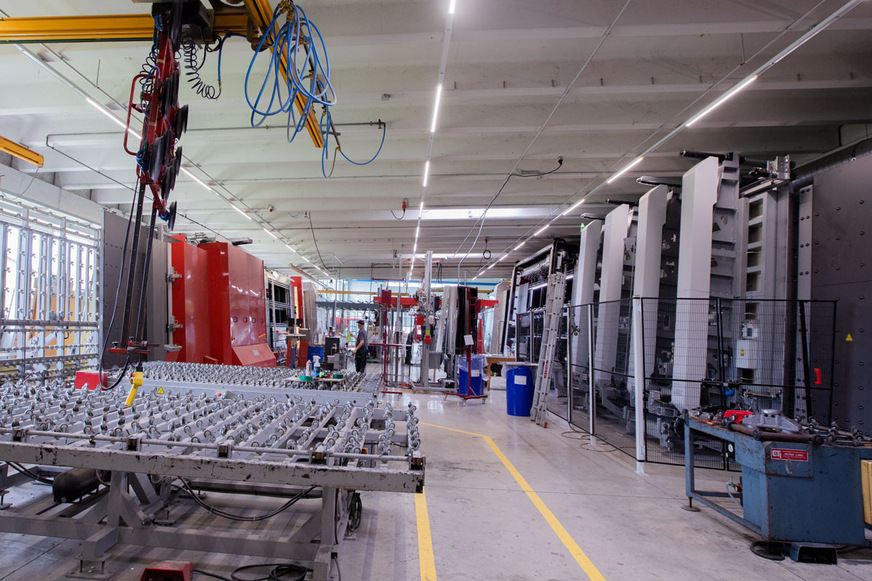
[{"x": 135, "y": 382}]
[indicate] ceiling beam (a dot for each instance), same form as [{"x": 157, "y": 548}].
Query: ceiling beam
[{"x": 102, "y": 28}]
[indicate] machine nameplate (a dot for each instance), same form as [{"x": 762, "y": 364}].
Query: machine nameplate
[{"x": 789, "y": 454}]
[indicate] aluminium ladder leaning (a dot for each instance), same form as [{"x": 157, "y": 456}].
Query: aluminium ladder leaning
[{"x": 550, "y": 328}]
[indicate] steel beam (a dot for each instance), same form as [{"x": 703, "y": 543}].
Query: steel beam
[
  {"x": 357, "y": 478},
  {"x": 103, "y": 28},
  {"x": 19, "y": 151}
]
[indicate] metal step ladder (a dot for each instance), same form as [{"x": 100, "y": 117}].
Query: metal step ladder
[{"x": 554, "y": 295}]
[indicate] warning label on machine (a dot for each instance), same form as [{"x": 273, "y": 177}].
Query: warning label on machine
[{"x": 788, "y": 454}]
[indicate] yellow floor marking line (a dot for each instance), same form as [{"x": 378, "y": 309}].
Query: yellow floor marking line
[
  {"x": 425, "y": 539},
  {"x": 580, "y": 557}
]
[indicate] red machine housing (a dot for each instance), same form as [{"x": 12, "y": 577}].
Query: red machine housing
[{"x": 220, "y": 302}]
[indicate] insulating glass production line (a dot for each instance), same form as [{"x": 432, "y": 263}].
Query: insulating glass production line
[
  {"x": 38, "y": 422},
  {"x": 235, "y": 380}
]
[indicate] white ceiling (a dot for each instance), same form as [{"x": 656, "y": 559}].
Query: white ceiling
[{"x": 509, "y": 65}]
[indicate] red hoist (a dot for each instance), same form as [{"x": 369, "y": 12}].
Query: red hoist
[{"x": 154, "y": 94}]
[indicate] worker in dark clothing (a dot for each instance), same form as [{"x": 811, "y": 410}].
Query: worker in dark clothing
[
  {"x": 409, "y": 339},
  {"x": 360, "y": 348}
]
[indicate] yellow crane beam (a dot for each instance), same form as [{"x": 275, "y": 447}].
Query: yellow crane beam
[
  {"x": 21, "y": 152},
  {"x": 103, "y": 28},
  {"x": 129, "y": 27},
  {"x": 261, "y": 15}
]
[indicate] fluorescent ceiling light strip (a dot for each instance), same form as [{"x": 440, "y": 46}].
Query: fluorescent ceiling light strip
[
  {"x": 820, "y": 26},
  {"x": 518, "y": 247},
  {"x": 573, "y": 207},
  {"x": 235, "y": 207},
  {"x": 542, "y": 229},
  {"x": 452, "y": 6},
  {"x": 109, "y": 114},
  {"x": 625, "y": 170},
  {"x": 436, "y": 107},
  {"x": 718, "y": 102},
  {"x": 270, "y": 233},
  {"x": 421, "y": 207},
  {"x": 417, "y": 231},
  {"x": 290, "y": 248},
  {"x": 188, "y": 173},
  {"x": 306, "y": 259},
  {"x": 426, "y": 172}
]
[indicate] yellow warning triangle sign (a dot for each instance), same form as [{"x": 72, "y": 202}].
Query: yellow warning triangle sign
[
  {"x": 849, "y": 338},
  {"x": 160, "y": 390}
]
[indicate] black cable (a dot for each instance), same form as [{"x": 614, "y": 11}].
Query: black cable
[
  {"x": 315, "y": 240},
  {"x": 21, "y": 469},
  {"x": 213, "y": 575},
  {"x": 355, "y": 512},
  {"x": 494, "y": 199},
  {"x": 395, "y": 216},
  {"x": 194, "y": 64},
  {"x": 539, "y": 174},
  {"x": 277, "y": 572},
  {"x": 102, "y": 351},
  {"x": 240, "y": 518}
]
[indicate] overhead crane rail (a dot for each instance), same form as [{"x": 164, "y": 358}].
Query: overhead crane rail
[{"x": 252, "y": 22}]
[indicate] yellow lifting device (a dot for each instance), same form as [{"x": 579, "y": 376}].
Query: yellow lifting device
[{"x": 255, "y": 18}]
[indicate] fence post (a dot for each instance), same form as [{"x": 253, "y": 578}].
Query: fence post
[
  {"x": 569, "y": 348},
  {"x": 591, "y": 384},
  {"x": 639, "y": 380}
]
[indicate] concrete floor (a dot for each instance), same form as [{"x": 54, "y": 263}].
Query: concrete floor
[{"x": 485, "y": 527}]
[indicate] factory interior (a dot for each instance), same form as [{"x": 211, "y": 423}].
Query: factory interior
[{"x": 346, "y": 290}]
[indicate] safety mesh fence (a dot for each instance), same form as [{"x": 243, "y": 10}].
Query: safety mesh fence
[
  {"x": 712, "y": 354},
  {"x": 558, "y": 395}
]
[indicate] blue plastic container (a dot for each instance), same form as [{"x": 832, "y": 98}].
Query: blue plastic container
[
  {"x": 519, "y": 389},
  {"x": 315, "y": 350},
  {"x": 463, "y": 384}
]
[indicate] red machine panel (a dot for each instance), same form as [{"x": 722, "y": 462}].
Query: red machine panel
[
  {"x": 237, "y": 303},
  {"x": 220, "y": 300},
  {"x": 190, "y": 293}
]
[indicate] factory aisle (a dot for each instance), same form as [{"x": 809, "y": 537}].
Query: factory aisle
[
  {"x": 629, "y": 527},
  {"x": 484, "y": 526}
]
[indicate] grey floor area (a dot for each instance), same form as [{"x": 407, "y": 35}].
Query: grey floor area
[{"x": 484, "y": 526}]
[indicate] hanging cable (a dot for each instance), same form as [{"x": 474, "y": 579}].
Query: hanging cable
[
  {"x": 192, "y": 61},
  {"x": 297, "y": 71},
  {"x": 315, "y": 240},
  {"x": 405, "y": 205},
  {"x": 298, "y": 48},
  {"x": 483, "y": 216},
  {"x": 102, "y": 352},
  {"x": 328, "y": 129}
]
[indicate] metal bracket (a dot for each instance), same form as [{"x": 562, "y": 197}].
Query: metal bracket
[{"x": 87, "y": 569}]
